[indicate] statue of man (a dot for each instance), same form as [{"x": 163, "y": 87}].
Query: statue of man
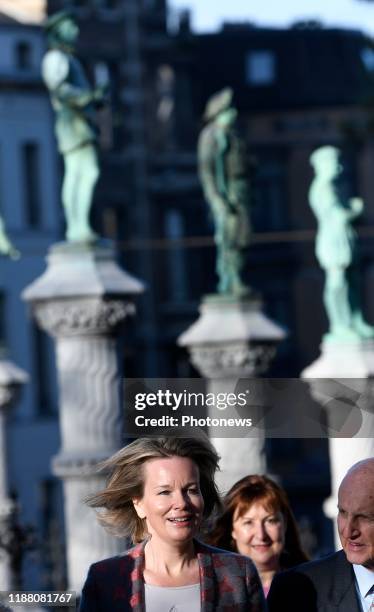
[
  {"x": 223, "y": 170},
  {"x": 336, "y": 246},
  {"x": 74, "y": 102}
]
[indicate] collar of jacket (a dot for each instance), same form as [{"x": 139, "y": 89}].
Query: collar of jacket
[
  {"x": 343, "y": 589},
  {"x": 205, "y": 570}
]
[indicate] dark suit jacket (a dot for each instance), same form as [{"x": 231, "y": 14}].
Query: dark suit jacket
[
  {"x": 228, "y": 582},
  {"x": 327, "y": 585}
]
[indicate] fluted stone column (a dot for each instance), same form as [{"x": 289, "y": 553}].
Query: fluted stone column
[
  {"x": 11, "y": 380},
  {"x": 232, "y": 340},
  {"x": 350, "y": 360},
  {"x": 82, "y": 300}
]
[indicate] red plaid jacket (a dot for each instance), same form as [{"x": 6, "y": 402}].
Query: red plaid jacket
[{"x": 228, "y": 582}]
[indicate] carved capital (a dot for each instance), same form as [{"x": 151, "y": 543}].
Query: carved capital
[
  {"x": 82, "y": 317},
  {"x": 234, "y": 360},
  {"x": 7, "y": 507},
  {"x": 70, "y": 466},
  {"x": 11, "y": 380},
  {"x": 7, "y": 394}
]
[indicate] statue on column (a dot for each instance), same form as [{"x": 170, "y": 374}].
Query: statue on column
[
  {"x": 223, "y": 170},
  {"x": 336, "y": 247},
  {"x": 6, "y": 247},
  {"x": 74, "y": 102}
]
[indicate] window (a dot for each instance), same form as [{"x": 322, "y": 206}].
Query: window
[
  {"x": 165, "y": 90},
  {"x": 2, "y": 320},
  {"x": 45, "y": 375},
  {"x": 176, "y": 261},
  {"x": 50, "y": 529},
  {"x": 110, "y": 223},
  {"x": 270, "y": 212},
  {"x": 367, "y": 57},
  {"x": 30, "y": 163},
  {"x": 104, "y": 115},
  {"x": 260, "y": 68},
  {"x": 106, "y": 4},
  {"x": 102, "y": 74},
  {"x": 23, "y": 53}
]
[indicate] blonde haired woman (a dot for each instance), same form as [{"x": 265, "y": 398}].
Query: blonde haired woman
[{"x": 159, "y": 492}]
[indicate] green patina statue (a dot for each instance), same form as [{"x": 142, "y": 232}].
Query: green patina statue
[
  {"x": 336, "y": 247},
  {"x": 223, "y": 170},
  {"x": 6, "y": 247},
  {"x": 74, "y": 102}
]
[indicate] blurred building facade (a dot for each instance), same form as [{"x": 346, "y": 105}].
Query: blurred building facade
[
  {"x": 295, "y": 90},
  {"x": 29, "y": 176}
]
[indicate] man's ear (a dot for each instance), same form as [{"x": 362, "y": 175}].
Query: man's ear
[{"x": 138, "y": 505}]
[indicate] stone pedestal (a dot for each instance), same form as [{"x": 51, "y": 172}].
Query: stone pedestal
[
  {"x": 11, "y": 380},
  {"x": 231, "y": 340},
  {"x": 343, "y": 360},
  {"x": 353, "y": 360},
  {"x": 82, "y": 300}
]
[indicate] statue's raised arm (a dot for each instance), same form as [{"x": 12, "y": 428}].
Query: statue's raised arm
[{"x": 74, "y": 102}]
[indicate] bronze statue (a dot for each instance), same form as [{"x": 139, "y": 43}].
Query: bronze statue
[
  {"x": 223, "y": 170},
  {"x": 336, "y": 246},
  {"x": 74, "y": 103}
]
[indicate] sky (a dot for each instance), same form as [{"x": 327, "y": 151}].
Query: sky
[
  {"x": 208, "y": 14},
  {"x": 28, "y": 11}
]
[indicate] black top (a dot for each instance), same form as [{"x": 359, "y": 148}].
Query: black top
[{"x": 327, "y": 585}]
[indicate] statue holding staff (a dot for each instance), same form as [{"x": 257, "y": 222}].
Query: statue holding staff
[
  {"x": 74, "y": 102},
  {"x": 223, "y": 171},
  {"x": 336, "y": 247}
]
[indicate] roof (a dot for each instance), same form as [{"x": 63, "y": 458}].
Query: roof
[
  {"x": 22, "y": 11},
  {"x": 311, "y": 66},
  {"x": 4, "y": 18}
]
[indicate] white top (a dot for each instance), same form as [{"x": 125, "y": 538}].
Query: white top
[
  {"x": 364, "y": 584},
  {"x": 172, "y": 599}
]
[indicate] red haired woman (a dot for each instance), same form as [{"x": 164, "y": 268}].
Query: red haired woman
[{"x": 257, "y": 521}]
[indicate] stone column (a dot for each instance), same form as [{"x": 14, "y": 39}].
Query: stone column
[
  {"x": 11, "y": 379},
  {"x": 349, "y": 360},
  {"x": 231, "y": 340},
  {"x": 82, "y": 300}
]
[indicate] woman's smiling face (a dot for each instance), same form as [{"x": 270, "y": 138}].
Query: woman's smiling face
[
  {"x": 260, "y": 534},
  {"x": 172, "y": 503}
]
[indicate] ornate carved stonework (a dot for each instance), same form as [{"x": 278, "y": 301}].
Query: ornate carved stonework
[
  {"x": 66, "y": 466},
  {"x": 6, "y": 507},
  {"x": 234, "y": 360},
  {"x": 6, "y": 396},
  {"x": 81, "y": 317},
  {"x": 11, "y": 380}
]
